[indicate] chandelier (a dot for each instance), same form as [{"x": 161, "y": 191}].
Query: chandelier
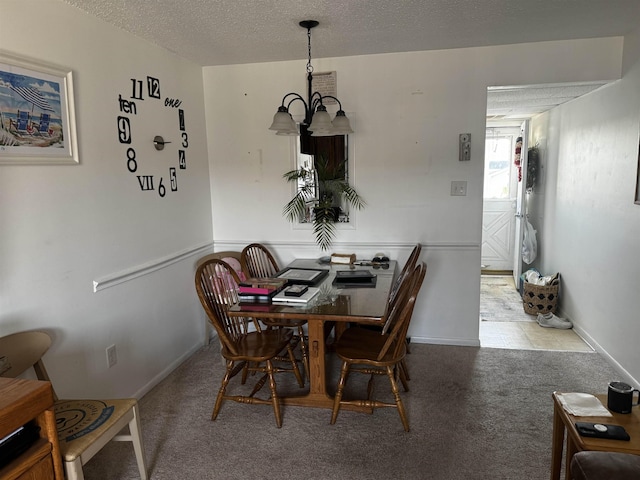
[{"x": 316, "y": 119}]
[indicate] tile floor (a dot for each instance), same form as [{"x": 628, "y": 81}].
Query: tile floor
[{"x": 527, "y": 335}]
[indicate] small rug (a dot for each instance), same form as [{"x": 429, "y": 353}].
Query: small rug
[{"x": 500, "y": 301}]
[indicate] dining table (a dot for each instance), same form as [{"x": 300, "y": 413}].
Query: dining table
[{"x": 334, "y": 305}]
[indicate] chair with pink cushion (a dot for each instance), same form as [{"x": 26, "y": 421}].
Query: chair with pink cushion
[{"x": 258, "y": 262}]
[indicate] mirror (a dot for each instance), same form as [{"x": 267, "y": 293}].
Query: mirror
[{"x": 334, "y": 152}]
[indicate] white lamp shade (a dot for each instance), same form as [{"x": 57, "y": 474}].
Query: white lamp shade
[
  {"x": 341, "y": 125},
  {"x": 320, "y": 122},
  {"x": 282, "y": 121}
]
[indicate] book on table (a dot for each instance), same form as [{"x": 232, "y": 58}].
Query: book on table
[
  {"x": 261, "y": 286},
  {"x": 256, "y": 297},
  {"x": 350, "y": 276},
  {"x": 282, "y": 297},
  {"x": 354, "y": 279}
]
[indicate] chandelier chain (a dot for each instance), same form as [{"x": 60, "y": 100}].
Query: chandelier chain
[{"x": 309, "y": 66}]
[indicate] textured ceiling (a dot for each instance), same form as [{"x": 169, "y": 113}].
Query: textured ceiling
[
  {"x": 224, "y": 32},
  {"x": 514, "y": 103}
]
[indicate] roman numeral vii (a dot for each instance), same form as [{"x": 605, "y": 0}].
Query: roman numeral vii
[{"x": 146, "y": 182}]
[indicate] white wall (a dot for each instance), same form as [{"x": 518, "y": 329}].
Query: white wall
[
  {"x": 409, "y": 110},
  {"x": 589, "y": 225},
  {"x": 62, "y": 227}
]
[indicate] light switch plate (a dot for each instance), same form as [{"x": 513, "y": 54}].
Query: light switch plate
[{"x": 458, "y": 188}]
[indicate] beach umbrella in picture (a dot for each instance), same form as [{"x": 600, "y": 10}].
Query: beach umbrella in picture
[{"x": 34, "y": 97}]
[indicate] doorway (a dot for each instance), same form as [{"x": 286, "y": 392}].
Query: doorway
[
  {"x": 507, "y": 108},
  {"x": 503, "y": 321}
]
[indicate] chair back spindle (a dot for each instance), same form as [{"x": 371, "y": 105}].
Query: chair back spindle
[
  {"x": 258, "y": 262},
  {"x": 406, "y": 271}
]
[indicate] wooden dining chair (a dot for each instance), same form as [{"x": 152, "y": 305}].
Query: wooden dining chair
[
  {"x": 404, "y": 274},
  {"x": 84, "y": 426},
  {"x": 258, "y": 262},
  {"x": 393, "y": 294},
  {"x": 244, "y": 351},
  {"x": 379, "y": 354},
  {"x": 233, "y": 259},
  {"x": 402, "y": 290}
]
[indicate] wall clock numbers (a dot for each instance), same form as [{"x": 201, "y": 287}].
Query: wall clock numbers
[{"x": 148, "y": 171}]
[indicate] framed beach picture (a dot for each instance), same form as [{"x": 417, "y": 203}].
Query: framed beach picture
[
  {"x": 637, "y": 201},
  {"x": 37, "y": 121}
]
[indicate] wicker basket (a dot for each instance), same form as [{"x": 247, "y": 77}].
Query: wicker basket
[{"x": 539, "y": 298}]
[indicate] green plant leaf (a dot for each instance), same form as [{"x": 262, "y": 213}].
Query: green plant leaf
[
  {"x": 328, "y": 181},
  {"x": 295, "y": 175},
  {"x": 324, "y": 232},
  {"x": 352, "y": 197}
]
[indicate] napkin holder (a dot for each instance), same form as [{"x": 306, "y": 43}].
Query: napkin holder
[{"x": 343, "y": 258}]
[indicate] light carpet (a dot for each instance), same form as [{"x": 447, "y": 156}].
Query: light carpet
[{"x": 475, "y": 413}]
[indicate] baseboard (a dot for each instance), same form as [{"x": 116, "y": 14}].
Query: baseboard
[
  {"x": 501, "y": 273},
  {"x": 456, "y": 342},
  {"x": 626, "y": 376}
]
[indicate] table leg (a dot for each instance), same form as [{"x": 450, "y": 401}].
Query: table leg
[
  {"x": 318, "y": 396},
  {"x": 317, "y": 371},
  {"x": 556, "y": 443},
  {"x": 571, "y": 451}
]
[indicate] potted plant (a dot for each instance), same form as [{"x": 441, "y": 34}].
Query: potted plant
[{"x": 322, "y": 189}]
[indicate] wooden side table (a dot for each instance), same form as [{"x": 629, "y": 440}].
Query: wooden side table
[
  {"x": 22, "y": 401},
  {"x": 563, "y": 421}
]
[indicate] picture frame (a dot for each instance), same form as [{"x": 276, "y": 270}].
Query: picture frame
[
  {"x": 637, "y": 199},
  {"x": 37, "y": 113},
  {"x": 302, "y": 276}
]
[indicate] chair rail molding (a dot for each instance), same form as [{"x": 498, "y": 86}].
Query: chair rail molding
[
  {"x": 117, "y": 278},
  {"x": 240, "y": 244},
  {"x": 289, "y": 251}
]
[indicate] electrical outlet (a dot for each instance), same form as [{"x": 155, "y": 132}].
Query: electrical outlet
[
  {"x": 465, "y": 147},
  {"x": 112, "y": 356},
  {"x": 458, "y": 189}
]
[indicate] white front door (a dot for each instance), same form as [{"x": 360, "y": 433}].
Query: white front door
[
  {"x": 498, "y": 220},
  {"x": 499, "y": 203}
]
